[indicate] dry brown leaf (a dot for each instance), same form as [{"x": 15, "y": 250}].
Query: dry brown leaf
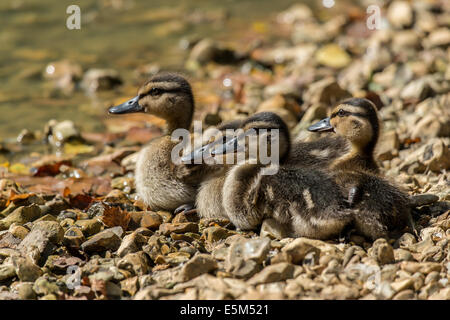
[{"x": 115, "y": 216}]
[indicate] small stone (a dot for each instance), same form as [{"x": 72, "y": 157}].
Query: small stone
[
  {"x": 25, "y": 291},
  {"x": 151, "y": 220},
  {"x": 400, "y": 14},
  {"x": 213, "y": 234},
  {"x": 61, "y": 132},
  {"x": 176, "y": 258},
  {"x": 273, "y": 273},
  {"x": 402, "y": 255},
  {"x": 105, "y": 240},
  {"x": 339, "y": 292},
  {"x": 26, "y": 270},
  {"x": 199, "y": 264},
  {"x": 20, "y": 216},
  {"x": 130, "y": 285},
  {"x": 73, "y": 237},
  {"x": 416, "y": 90},
  {"x": 443, "y": 294},
  {"x": 41, "y": 241},
  {"x": 382, "y": 252},
  {"x": 245, "y": 257},
  {"x": 271, "y": 228},
  {"x": 100, "y": 79},
  {"x": 168, "y": 228},
  {"x": 384, "y": 291},
  {"x": 404, "y": 295},
  {"x": 186, "y": 216},
  {"x": 406, "y": 240},
  {"x": 437, "y": 38},
  {"x": 7, "y": 272},
  {"x": 131, "y": 243},
  {"x": 422, "y": 267},
  {"x": 402, "y": 285},
  {"x": 51, "y": 229},
  {"x": 137, "y": 263},
  {"x": 89, "y": 227},
  {"x": 300, "y": 247},
  {"x": 18, "y": 231},
  {"x": 46, "y": 285},
  {"x": 388, "y": 145},
  {"x": 332, "y": 55}
]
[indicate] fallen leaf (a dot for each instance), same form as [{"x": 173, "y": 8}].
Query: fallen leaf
[
  {"x": 14, "y": 197},
  {"x": 50, "y": 169},
  {"x": 19, "y": 168},
  {"x": 77, "y": 148},
  {"x": 80, "y": 201},
  {"x": 115, "y": 216}
]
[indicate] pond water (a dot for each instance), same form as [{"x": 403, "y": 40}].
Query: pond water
[{"x": 117, "y": 34}]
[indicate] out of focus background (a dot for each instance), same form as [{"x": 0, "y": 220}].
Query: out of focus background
[{"x": 130, "y": 38}]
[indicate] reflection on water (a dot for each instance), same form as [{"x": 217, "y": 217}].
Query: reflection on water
[{"x": 118, "y": 34}]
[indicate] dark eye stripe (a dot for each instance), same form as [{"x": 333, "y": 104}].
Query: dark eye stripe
[
  {"x": 348, "y": 113},
  {"x": 161, "y": 90}
]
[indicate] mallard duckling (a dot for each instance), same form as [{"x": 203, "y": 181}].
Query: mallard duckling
[
  {"x": 315, "y": 154},
  {"x": 162, "y": 184},
  {"x": 307, "y": 201},
  {"x": 380, "y": 207},
  {"x": 355, "y": 120}
]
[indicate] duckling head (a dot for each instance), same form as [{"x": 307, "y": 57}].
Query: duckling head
[
  {"x": 165, "y": 95},
  {"x": 355, "y": 119},
  {"x": 269, "y": 130}
]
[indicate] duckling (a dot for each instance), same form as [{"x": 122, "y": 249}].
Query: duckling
[
  {"x": 357, "y": 121},
  {"x": 160, "y": 183},
  {"x": 307, "y": 201},
  {"x": 315, "y": 154},
  {"x": 380, "y": 207}
]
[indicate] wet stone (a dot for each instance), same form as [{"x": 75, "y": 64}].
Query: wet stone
[
  {"x": 89, "y": 227},
  {"x": 105, "y": 240},
  {"x": 213, "y": 234},
  {"x": 151, "y": 220},
  {"x": 73, "y": 237},
  {"x": 168, "y": 228},
  {"x": 21, "y": 215}
]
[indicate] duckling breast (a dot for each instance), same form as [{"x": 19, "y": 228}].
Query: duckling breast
[{"x": 157, "y": 179}]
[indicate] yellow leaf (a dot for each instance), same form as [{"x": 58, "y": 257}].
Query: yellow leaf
[
  {"x": 4, "y": 164},
  {"x": 259, "y": 27},
  {"x": 332, "y": 55},
  {"x": 77, "y": 148},
  {"x": 19, "y": 168}
]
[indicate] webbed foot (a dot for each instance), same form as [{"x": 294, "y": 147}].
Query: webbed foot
[{"x": 184, "y": 208}]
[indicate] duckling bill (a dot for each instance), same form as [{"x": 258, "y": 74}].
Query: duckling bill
[{"x": 130, "y": 106}]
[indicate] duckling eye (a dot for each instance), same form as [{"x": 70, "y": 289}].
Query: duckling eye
[
  {"x": 155, "y": 92},
  {"x": 341, "y": 113}
]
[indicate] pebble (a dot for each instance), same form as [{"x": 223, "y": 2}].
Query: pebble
[
  {"x": 168, "y": 228},
  {"x": 151, "y": 220},
  {"x": 73, "y": 237},
  {"x": 273, "y": 273},
  {"x": 213, "y": 234},
  {"x": 198, "y": 265},
  {"x": 21, "y": 215},
  {"x": 102, "y": 241}
]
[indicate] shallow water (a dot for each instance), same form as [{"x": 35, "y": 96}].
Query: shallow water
[{"x": 114, "y": 34}]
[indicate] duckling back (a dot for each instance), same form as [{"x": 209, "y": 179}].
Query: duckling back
[{"x": 307, "y": 202}]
